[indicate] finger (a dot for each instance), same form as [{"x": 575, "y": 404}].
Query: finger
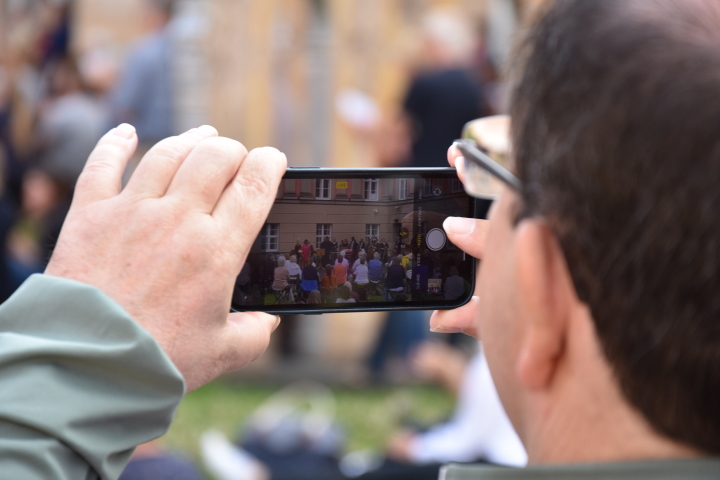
[
  {"x": 468, "y": 234},
  {"x": 457, "y": 161},
  {"x": 210, "y": 167},
  {"x": 158, "y": 167},
  {"x": 247, "y": 336},
  {"x": 248, "y": 198},
  {"x": 102, "y": 176},
  {"x": 458, "y": 320},
  {"x": 453, "y": 153}
]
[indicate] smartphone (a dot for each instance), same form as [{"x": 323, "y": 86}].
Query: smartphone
[{"x": 339, "y": 240}]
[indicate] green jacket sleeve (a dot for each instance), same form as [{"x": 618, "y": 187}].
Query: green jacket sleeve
[{"x": 81, "y": 384}]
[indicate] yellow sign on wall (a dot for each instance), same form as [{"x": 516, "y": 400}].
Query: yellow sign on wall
[{"x": 340, "y": 185}]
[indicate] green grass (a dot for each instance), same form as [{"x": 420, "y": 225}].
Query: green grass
[{"x": 370, "y": 416}]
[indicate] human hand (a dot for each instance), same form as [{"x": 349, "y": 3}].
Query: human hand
[
  {"x": 469, "y": 235},
  {"x": 398, "y": 448},
  {"x": 441, "y": 363},
  {"x": 169, "y": 245}
]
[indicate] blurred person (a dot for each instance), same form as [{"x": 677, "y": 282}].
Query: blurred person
[
  {"x": 361, "y": 278},
  {"x": 406, "y": 259},
  {"x": 328, "y": 246},
  {"x": 310, "y": 277},
  {"x": 306, "y": 250},
  {"x": 443, "y": 96},
  {"x": 25, "y": 93},
  {"x": 144, "y": 92},
  {"x": 395, "y": 277},
  {"x": 269, "y": 269},
  {"x": 329, "y": 283},
  {"x": 344, "y": 295},
  {"x": 242, "y": 284},
  {"x": 479, "y": 429},
  {"x": 314, "y": 298},
  {"x": 55, "y": 20},
  {"x": 341, "y": 259},
  {"x": 282, "y": 279},
  {"x": 375, "y": 269},
  {"x": 151, "y": 461},
  {"x": 353, "y": 294},
  {"x": 297, "y": 249},
  {"x": 294, "y": 269},
  {"x": 340, "y": 271},
  {"x": 45, "y": 202},
  {"x": 454, "y": 285},
  {"x": 361, "y": 256},
  {"x": 70, "y": 123}
]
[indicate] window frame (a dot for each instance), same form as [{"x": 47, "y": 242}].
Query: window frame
[
  {"x": 318, "y": 238},
  {"x": 266, "y": 237},
  {"x": 370, "y": 234},
  {"x": 402, "y": 189},
  {"x": 320, "y": 187},
  {"x": 367, "y": 196}
]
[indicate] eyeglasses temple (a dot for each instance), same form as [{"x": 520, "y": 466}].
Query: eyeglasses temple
[{"x": 474, "y": 153}]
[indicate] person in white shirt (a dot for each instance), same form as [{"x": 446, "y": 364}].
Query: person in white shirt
[
  {"x": 293, "y": 268},
  {"x": 362, "y": 256},
  {"x": 478, "y": 430}
]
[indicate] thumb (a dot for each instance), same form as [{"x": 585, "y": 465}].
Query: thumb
[
  {"x": 468, "y": 234},
  {"x": 246, "y": 337}
]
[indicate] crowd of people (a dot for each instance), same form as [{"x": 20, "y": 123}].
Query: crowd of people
[
  {"x": 54, "y": 107},
  {"x": 365, "y": 270}
]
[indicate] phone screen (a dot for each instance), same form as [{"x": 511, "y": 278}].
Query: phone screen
[{"x": 353, "y": 239}]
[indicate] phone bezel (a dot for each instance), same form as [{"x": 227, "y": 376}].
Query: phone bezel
[{"x": 295, "y": 173}]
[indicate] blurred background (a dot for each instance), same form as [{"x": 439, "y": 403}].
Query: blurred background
[{"x": 336, "y": 83}]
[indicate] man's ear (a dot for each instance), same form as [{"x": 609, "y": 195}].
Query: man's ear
[{"x": 545, "y": 298}]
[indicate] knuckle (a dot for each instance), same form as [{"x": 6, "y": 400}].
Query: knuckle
[
  {"x": 221, "y": 148},
  {"x": 255, "y": 182},
  {"x": 171, "y": 150}
]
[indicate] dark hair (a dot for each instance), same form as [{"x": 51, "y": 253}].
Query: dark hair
[
  {"x": 167, "y": 7},
  {"x": 344, "y": 292},
  {"x": 615, "y": 134}
]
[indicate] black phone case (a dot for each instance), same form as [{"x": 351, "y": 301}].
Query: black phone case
[{"x": 319, "y": 172}]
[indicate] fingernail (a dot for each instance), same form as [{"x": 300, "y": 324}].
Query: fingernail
[
  {"x": 124, "y": 131},
  {"x": 459, "y": 225},
  {"x": 206, "y": 131},
  {"x": 277, "y": 322},
  {"x": 442, "y": 329}
]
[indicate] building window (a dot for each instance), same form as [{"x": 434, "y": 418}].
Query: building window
[
  {"x": 269, "y": 237},
  {"x": 402, "y": 189},
  {"x": 456, "y": 185},
  {"x": 323, "y": 230},
  {"x": 371, "y": 190},
  {"x": 322, "y": 189},
  {"x": 372, "y": 231},
  {"x": 427, "y": 187}
]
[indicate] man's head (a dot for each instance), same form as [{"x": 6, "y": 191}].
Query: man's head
[
  {"x": 159, "y": 12},
  {"x": 598, "y": 302}
]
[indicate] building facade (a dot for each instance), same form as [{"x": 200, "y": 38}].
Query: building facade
[{"x": 311, "y": 209}]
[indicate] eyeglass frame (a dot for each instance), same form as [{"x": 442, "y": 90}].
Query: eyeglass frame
[{"x": 472, "y": 153}]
